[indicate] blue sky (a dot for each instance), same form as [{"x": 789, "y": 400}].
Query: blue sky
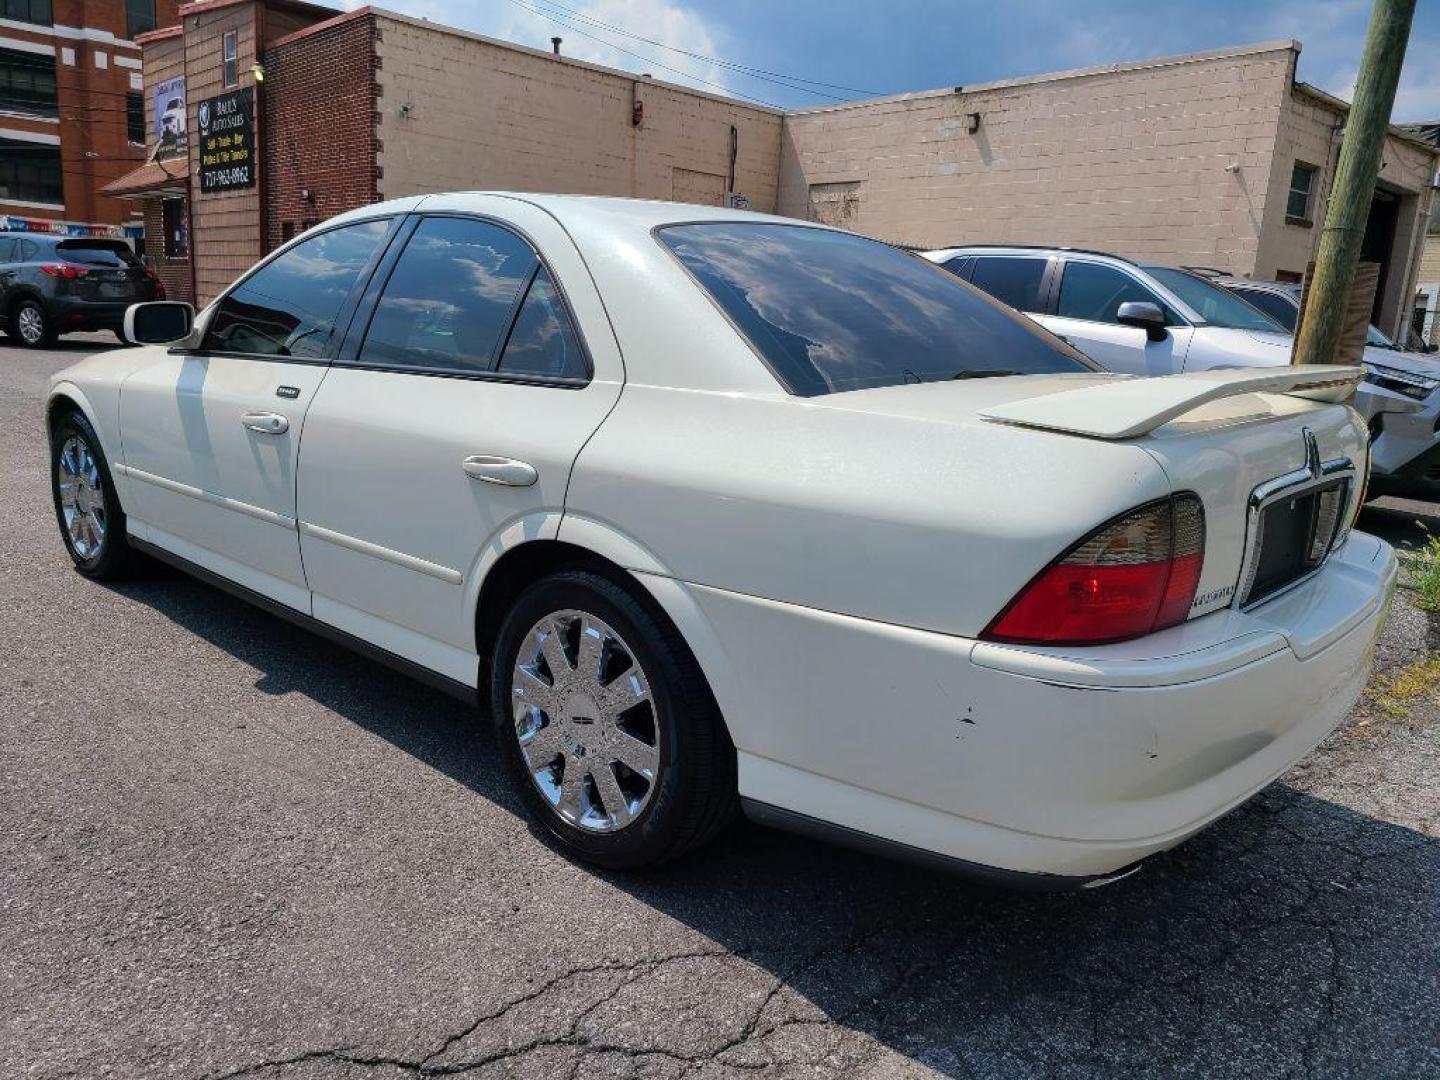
[{"x": 892, "y": 46}]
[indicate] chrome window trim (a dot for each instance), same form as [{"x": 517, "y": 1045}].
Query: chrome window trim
[{"x": 1313, "y": 474}]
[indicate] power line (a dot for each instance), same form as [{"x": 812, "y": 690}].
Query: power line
[
  {"x": 760, "y": 73},
  {"x": 649, "y": 60}
]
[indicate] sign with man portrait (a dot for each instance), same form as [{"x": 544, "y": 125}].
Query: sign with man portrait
[{"x": 168, "y": 105}]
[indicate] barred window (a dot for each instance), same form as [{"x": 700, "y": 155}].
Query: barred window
[
  {"x": 30, "y": 172},
  {"x": 31, "y": 11},
  {"x": 27, "y": 83}
]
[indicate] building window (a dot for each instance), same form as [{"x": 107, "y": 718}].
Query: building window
[
  {"x": 135, "y": 118},
  {"x": 27, "y": 83},
  {"x": 1302, "y": 189},
  {"x": 139, "y": 17},
  {"x": 31, "y": 11},
  {"x": 176, "y": 222},
  {"x": 230, "y": 74},
  {"x": 30, "y": 172}
]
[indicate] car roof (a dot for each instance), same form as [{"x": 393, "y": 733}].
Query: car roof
[
  {"x": 1025, "y": 249},
  {"x": 641, "y": 214},
  {"x": 1289, "y": 288}
]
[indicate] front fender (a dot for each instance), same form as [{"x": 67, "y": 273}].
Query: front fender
[{"x": 103, "y": 413}]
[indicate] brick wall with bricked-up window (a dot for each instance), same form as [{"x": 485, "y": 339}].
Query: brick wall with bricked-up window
[{"x": 318, "y": 149}]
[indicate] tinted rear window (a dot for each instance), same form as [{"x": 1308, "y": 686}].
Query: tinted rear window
[
  {"x": 1272, "y": 304},
  {"x": 93, "y": 253},
  {"x": 830, "y": 311},
  {"x": 1011, "y": 279}
]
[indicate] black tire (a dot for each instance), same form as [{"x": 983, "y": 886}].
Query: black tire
[
  {"x": 25, "y": 317},
  {"x": 693, "y": 795},
  {"x": 113, "y": 557}
]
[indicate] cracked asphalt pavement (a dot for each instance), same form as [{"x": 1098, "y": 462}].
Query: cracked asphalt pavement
[{"x": 231, "y": 849}]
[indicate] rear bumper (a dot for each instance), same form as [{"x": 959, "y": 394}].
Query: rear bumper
[
  {"x": 1060, "y": 763},
  {"x": 71, "y": 314}
]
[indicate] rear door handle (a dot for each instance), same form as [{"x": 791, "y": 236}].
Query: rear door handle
[
  {"x": 500, "y": 470},
  {"x": 266, "y": 423}
]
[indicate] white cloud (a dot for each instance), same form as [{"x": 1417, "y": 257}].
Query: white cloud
[
  {"x": 659, "y": 20},
  {"x": 1333, "y": 35},
  {"x": 668, "y": 21}
]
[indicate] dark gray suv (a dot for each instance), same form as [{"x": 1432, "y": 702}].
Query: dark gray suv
[{"x": 52, "y": 285}]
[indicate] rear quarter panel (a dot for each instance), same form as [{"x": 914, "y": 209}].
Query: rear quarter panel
[{"x": 921, "y": 522}]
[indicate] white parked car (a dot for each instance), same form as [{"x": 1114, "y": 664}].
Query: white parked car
[
  {"x": 1159, "y": 320},
  {"x": 714, "y": 508},
  {"x": 1400, "y": 397}
]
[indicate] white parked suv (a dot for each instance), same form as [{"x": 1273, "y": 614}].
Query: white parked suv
[
  {"x": 1162, "y": 320},
  {"x": 1405, "y": 434}
]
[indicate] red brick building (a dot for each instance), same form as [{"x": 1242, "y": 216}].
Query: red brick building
[{"x": 72, "y": 111}]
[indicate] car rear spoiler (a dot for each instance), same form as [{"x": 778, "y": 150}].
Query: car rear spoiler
[{"x": 1128, "y": 407}]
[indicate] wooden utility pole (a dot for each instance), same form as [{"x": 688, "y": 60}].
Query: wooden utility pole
[{"x": 1318, "y": 337}]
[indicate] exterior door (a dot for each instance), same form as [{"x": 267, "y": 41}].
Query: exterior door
[
  {"x": 210, "y": 437},
  {"x": 448, "y": 427},
  {"x": 1090, "y": 296}
]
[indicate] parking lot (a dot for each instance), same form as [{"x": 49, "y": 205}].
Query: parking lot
[{"x": 231, "y": 849}]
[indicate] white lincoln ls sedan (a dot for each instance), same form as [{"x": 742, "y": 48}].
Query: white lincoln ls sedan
[{"x": 717, "y": 510}]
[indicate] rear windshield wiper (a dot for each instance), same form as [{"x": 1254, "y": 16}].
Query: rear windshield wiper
[{"x": 984, "y": 373}]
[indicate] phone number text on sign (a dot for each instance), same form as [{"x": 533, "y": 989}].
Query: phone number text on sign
[{"x": 227, "y": 145}]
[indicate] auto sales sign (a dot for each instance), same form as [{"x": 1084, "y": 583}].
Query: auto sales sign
[{"x": 227, "y": 140}]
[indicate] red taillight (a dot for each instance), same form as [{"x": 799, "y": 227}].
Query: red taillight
[
  {"x": 1132, "y": 576},
  {"x": 159, "y": 285},
  {"x": 68, "y": 271}
]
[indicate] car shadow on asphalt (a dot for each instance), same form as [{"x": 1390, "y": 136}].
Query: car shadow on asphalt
[{"x": 1296, "y": 936}]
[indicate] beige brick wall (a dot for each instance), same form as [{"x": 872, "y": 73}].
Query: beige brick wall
[
  {"x": 1430, "y": 261},
  {"x": 1130, "y": 158},
  {"x": 1309, "y": 132},
  {"x": 225, "y": 226},
  {"x": 484, "y": 116}
]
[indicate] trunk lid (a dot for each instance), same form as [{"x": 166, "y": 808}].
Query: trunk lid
[{"x": 1276, "y": 457}]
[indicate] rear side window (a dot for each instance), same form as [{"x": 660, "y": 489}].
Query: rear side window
[
  {"x": 451, "y": 297},
  {"x": 98, "y": 253},
  {"x": 1276, "y": 306},
  {"x": 26, "y": 250},
  {"x": 288, "y": 306},
  {"x": 7, "y": 249},
  {"x": 1094, "y": 292},
  {"x": 960, "y": 266},
  {"x": 542, "y": 341},
  {"x": 831, "y": 311},
  {"x": 1011, "y": 280}
]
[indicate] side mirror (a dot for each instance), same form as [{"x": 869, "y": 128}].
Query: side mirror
[
  {"x": 160, "y": 322},
  {"x": 1144, "y": 315}
]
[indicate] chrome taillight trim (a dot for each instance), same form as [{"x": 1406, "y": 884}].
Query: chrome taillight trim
[{"x": 1314, "y": 474}]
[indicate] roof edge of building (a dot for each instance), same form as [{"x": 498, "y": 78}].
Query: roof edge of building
[
  {"x": 159, "y": 34},
  {"x": 198, "y": 7},
  {"x": 1340, "y": 105},
  {"x": 1279, "y": 45},
  {"x": 426, "y": 24},
  {"x": 328, "y": 24}
]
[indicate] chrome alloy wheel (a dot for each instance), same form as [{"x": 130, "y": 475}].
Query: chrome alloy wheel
[
  {"x": 82, "y": 497},
  {"x": 31, "y": 324},
  {"x": 585, "y": 721}
]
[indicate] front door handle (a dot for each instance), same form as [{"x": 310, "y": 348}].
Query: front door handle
[
  {"x": 500, "y": 470},
  {"x": 266, "y": 423}
]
